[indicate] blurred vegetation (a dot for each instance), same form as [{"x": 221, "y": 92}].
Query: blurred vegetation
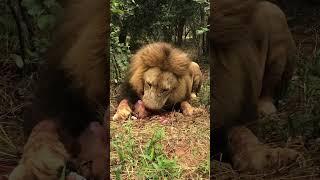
[
  {"x": 25, "y": 32},
  {"x": 137, "y": 22},
  {"x": 26, "y": 27},
  {"x": 301, "y": 104},
  {"x": 306, "y": 122}
]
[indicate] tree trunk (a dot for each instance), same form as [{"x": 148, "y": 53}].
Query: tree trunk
[
  {"x": 202, "y": 37},
  {"x": 180, "y": 28},
  {"x": 166, "y": 34},
  {"x": 123, "y": 34}
]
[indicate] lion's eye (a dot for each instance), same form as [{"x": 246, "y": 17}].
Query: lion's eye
[{"x": 164, "y": 90}]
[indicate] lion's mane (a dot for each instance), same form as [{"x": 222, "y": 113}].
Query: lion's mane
[
  {"x": 161, "y": 55},
  {"x": 73, "y": 80}
]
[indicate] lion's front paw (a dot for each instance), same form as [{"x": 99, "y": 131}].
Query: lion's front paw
[
  {"x": 187, "y": 109},
  {"x": 248, "y": 154},
  {"x": 261, "y": 158},
  {"x": 43, "y": 156},
  {"x": 123, "y": 111},
  {"x": 193, "y": 96},
  {"x": 266, "y": 106}
]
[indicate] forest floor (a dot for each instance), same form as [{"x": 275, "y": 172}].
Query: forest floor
[
  {"x": 149, "y": 148},
  {"x": 14, "y": 93}
]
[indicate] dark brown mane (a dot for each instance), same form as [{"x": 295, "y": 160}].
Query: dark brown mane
[{"x": 73, "y": 81}]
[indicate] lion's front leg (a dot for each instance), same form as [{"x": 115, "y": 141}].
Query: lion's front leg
[
  {"x": 248, "y": 154},
  {"x": 123, "y": 111}
]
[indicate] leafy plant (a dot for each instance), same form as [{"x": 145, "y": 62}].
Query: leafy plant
[
  {"x": 43, "y": 12},
  {"x": 149, "y": 162},
  {"x": 120, "y": 55},
  {"x": 43, "y": 15},
  {"x": 154, "y": 163}
]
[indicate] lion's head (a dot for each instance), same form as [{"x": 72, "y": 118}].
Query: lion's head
[{"x": 160, "y": 74}]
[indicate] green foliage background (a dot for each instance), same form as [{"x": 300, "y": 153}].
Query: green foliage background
[
  {"x": 137, "y": 22},
  {"x": 26, "y": 29}
]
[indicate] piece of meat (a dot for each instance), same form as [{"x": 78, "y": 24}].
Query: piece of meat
[{"x": 140, "y": 110}]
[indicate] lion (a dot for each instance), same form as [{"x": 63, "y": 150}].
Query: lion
[
  {"x": 70, "y": 97},
  {"x": 253, "y": 58},
  {"x": 160, "y": 76}
]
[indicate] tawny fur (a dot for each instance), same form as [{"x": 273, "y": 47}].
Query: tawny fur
[
  {"x": 253, "y": 55},
  {"x": 43, "y": 154},
  {"x": 73, "y": 47},
  {"x": 68, "y": 97},
  {"x": 167, "y": 58},
  {"x": 248, "y": 66},
  {"x": 196, "y": 76},
  {"x": 161, "y": 55},
  {"x": 73, "y": 83},
  {"x": 164, "y": 66}
]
